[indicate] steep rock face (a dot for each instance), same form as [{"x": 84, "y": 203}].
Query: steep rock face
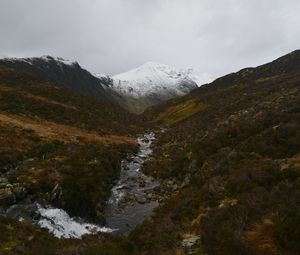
[
  {"x": 62, "y": 72},
  {"x": 153, "y": 83}
]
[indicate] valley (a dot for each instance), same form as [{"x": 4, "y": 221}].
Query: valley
[{"x": 212, "y": 170}]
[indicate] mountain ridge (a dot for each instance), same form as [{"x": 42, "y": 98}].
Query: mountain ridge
[
  {"x": 234, "y": 145},
  {"x": 147, "y": 85},
  {"x": 153, "y": 83},
  {"x": 227, "y": 159},
  {"x": 151, "y": 76},
  {"x": 62, "y": 72}
]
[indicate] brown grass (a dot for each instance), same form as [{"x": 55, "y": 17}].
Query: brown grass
[
  {"x": 50, "y": 130},
  {"x": 4, "y": 88},
  {"x": 177, "y": 113},
  {"x": 48, "y": 101},
  {"x": 261, "y": 238},
  {"x": 295, "y": 161}
]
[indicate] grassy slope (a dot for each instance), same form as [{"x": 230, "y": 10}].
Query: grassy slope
[
  {"x": 238, "y": 155},
  {"x": 67, "y": 147},
  {"x": 240, "y": 158}
]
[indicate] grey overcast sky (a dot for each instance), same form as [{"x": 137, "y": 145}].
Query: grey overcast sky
[{"x": 112, "y": 36}]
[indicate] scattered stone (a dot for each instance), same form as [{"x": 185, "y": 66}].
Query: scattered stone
[
  {"x": 170, "y": 183},
  {"x": 146, "y": 140},
  {"x": 3, "y": 182},
  {"x": 94, "y": 162},
  {"x": 150, "y": 196},
  {"x": 227, "y": 203},
  {"x": 191, "y": 244},
  {"x": 141, "y": 200}
]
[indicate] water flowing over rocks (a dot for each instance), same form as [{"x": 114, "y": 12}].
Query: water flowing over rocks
[
  {"x": 132, "y": 200},
  {"x": 58, "y": 222},
  {"x": 133, "y": 197}
]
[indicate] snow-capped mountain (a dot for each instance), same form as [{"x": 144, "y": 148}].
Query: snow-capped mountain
[
  {"x": 153, "y": 79},
  {"x": 135, "y": 90},
  {"x": 46, "y": 59}
]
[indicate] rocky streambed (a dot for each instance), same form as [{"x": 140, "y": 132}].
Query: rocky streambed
[{"x": 132, "y": 200}]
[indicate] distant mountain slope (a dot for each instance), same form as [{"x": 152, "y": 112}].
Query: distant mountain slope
[
  {"x": 62, "y": 72},
  {"x": 230, "y": 161},
  {"x": 27, "y": 94},
  {"x": 61, "y": 142},
  {"x": 153, "y": 83},
  {"x": 135, "y": 90}
]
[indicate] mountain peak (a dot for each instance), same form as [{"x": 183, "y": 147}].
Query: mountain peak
[
  {"x": 150, "y": 63},
  {"x": 152, "y": 83}
]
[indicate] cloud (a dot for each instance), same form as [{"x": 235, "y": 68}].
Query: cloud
[{"x": 111, "y": 36}]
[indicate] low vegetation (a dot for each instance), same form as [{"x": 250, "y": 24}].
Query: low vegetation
[
  {"x": 179, "y": 112},
  {"x": 60, "y": 146},
  {"x": 228, "y": 164},
  {"x": 237, "y": 166}
]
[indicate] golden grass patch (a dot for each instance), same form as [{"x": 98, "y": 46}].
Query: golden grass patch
[
  {"x": 177, "y": 113},
  {"x": 52, "y": 131}
]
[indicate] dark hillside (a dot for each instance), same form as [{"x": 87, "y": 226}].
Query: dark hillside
[
  {"x": 63, "y": 73},
  {"x": 229, "y": 164},
  {"x": 231, "y": 152},
  {"x": 59, "y": 145}
]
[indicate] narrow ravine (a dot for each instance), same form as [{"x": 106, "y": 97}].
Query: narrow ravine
[{"x": 131, "y": 200}]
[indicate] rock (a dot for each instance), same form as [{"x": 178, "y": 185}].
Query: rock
[
  {"x": 185, "y": 183},
  {"x": 3, "y": 182},
  {"x": 150, "y": 196},
  {"x": 142, "y": 182},
  {"x": 94, "y": 162},
  {"x": 145, "y": 140},
  {"x": 157, "y": 188},
  {"x": 170, "y": 183},
  {"x": 19, "y": 191},
  {"x": 227, "y": 203},
  {"x": 175, "y": 187},
  {"x": 191, "y": 244},
  {"x": 56, "y": 193},
  {"x": 141, "y": 200},
  {"x": 7, "y": 197},
  {"x": 23, "y": 211}
]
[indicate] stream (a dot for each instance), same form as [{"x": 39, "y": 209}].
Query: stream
[{"x": 130, "y": 203}]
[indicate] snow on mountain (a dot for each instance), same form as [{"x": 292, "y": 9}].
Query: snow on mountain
[
  {"x": 158, "y": 79},
  {"x": 63, "y": 73},
  {"x": 45, "y": 58}
]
